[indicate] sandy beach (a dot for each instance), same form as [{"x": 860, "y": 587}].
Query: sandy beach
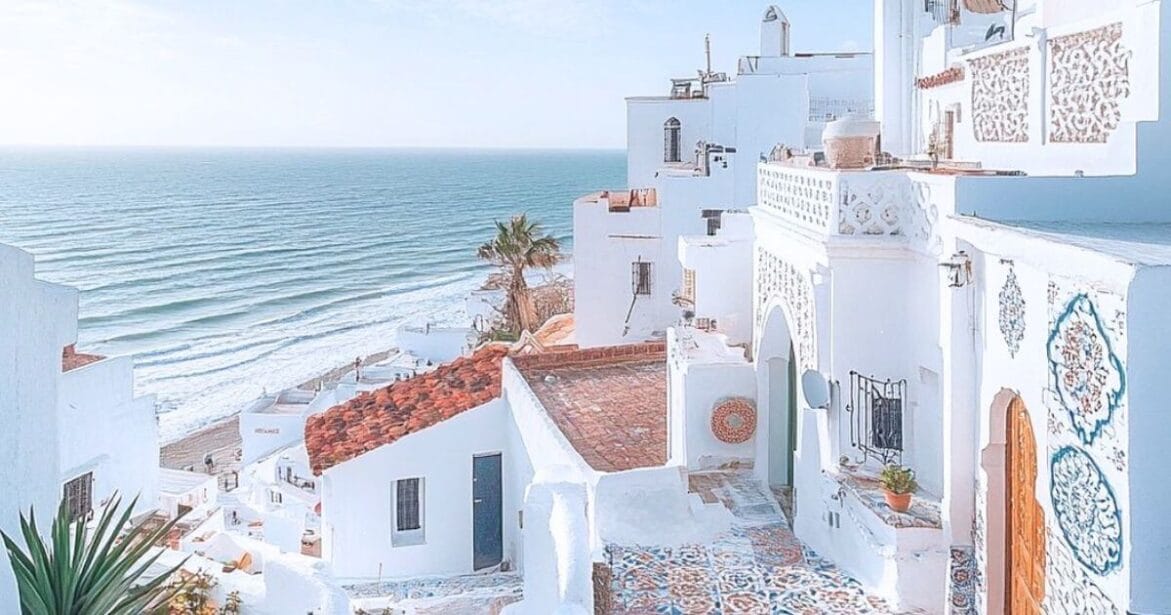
[{"x": 222, "y": 439}]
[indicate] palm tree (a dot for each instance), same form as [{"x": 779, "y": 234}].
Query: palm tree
[
  {"x": 80, "y": 571},
  {"x": 520, "y": 245}
]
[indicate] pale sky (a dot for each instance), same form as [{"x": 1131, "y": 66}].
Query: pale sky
[{"x": 397, "y": 73}]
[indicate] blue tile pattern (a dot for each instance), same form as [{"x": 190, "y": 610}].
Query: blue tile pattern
[{"x": 758, "y": 566}]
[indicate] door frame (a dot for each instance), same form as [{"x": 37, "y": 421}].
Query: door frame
[{"x": 500, "y": 508}]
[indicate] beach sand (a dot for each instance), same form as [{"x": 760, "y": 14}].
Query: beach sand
[{"x": 222, "y": 439}]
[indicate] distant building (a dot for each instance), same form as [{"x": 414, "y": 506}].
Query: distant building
[{"x": 691, "y": 155}]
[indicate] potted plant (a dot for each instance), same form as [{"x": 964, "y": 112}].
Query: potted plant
[{"x": 898, "y": 483}]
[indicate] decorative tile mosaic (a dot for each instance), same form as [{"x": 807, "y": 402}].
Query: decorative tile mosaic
[
  {"x": 734, "y": 420},
  {"x": 776, "y": 278},
  {"x": 961, "y": 590},
  {"x": 1089, "y": 75},
  {"x": 758, "y": 566},
  {"x": 1086, "y": 510},
  {"x": 1000, "y": 96},
  {"x": 1086, "y": 375},
  {"x": 1012, "y": 313},
  {"x": 1068, "y": 589}
]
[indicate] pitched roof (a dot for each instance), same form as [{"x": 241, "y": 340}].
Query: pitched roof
[
  {"x": 380, "y": 417},
  {"x": 71, "y": 359}
]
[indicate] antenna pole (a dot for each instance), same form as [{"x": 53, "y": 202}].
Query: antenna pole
[{"x": 707, "y": 50}]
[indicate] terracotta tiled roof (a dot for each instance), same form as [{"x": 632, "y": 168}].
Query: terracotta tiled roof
[
  {"x": 944, "y": 77},
  {"x": 380, "y": 417},
  {"x": 71, "y": 359}
]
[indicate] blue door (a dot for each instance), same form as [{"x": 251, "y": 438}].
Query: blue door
[{"x": 487, "y": 508}]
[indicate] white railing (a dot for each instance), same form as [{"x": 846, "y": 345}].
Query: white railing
[
  {"x": 848, "y": 203},
  {"x": 805, "y": 197}
]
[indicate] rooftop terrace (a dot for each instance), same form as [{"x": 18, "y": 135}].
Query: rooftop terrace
[{"x": 611, "y": 403}]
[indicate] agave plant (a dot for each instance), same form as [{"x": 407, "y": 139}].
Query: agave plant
[{"x": 80, "y": 570}]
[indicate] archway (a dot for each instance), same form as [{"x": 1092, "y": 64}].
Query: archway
[
  {"x": 1010, "y": 521},
  {"x": 778, "y": 390}
]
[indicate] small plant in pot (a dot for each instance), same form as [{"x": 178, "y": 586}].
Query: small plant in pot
[{"x": 898, "y": 483}]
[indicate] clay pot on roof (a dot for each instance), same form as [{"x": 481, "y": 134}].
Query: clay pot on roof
[{"x": 851, "y": 142}]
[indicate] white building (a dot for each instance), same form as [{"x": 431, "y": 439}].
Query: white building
[
  {"x": 690, "y": 155},
  {"x": 73, "y": 428},
  {"x": 990, "y": 320}
]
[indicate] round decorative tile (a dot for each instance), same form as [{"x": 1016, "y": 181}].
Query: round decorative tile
[
  {"x": 734, "y": 420},
  {"x": 1086, "y": 509}
]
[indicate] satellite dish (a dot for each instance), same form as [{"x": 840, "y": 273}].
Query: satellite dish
[{"x": 815, "y": 388}]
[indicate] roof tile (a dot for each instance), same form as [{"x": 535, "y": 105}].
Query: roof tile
[{"x": 380, "y": 417}]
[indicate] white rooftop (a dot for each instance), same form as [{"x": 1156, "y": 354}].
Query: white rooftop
[
  {"x": 1129, "y": 242},
  {"x": 181, "y": 481}
]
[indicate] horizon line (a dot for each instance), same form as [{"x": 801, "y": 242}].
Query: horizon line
[{"x": 534, "y": 148}]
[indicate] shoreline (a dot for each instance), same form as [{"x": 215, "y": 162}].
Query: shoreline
[{"x": 221, "y": 439}]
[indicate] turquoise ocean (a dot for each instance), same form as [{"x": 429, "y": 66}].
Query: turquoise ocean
[{"x": 226, "y": 273}]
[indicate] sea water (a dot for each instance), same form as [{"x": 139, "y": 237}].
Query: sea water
[{"x": 226, "y": 273}]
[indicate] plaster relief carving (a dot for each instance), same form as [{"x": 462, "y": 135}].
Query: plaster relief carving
[
  {"x": 777, "y": 278},
  {"x": 1089, "y": 75},
  {"x": 1000, "y": 97}
]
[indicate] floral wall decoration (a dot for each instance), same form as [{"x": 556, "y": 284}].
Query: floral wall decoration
[
  {"x": 1089, "y": 75},
  {"x": 961, "y": 593},
  {"x": 1086, "y": 510},
  {"x": 734, "y": 420},
  {"x": 1012, "y": 313},
  {"x": 1000, "y": 96},
  {"x": 1068, "y": 589},
  {"x": 1087, "y": 376},
  {"x": 776, "y": 278}
]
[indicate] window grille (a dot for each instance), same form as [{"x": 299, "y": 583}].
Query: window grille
[
  {"x": 640, "y": 277},
  {"x": 407, "y": 505},
  {"x": 671, "y": 140},
  {"x": 79, "y": 494},
  {"x": 876, "y": 408}
]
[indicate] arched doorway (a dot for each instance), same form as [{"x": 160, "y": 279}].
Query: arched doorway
[
  {"x": 777, "y": 400},
  {"x": 1024, "y": 547},
  {"x": 782, "y": 408}
]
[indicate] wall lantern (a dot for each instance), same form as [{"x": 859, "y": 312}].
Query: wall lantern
[{"x": 959, "y": 269}]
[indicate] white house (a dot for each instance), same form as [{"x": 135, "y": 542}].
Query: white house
[
  {"x": 108, "y": 437},
  {"x": 73, "y": 428},
  {"x": 399, "y": 468},
  {"x": 982, "y": 310},
  {"x": 690, "y": 155}
]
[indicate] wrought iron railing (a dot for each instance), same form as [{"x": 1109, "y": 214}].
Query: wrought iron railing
[{"x": 876, "y": 418}]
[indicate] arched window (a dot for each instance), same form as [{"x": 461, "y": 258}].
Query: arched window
[{"x": 671, "y": 140}]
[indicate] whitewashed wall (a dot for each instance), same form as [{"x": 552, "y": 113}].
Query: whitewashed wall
[
  {"x": 697, "y": 386},
  {"x": 435, "y": 344},
  {"x": 1035, "y": 298},
  {"x": 645, "y": 117},
  {"x": 37, "y": 320},
  {"x": 357, "y": 516},
  {"x": 107, "y": 431}
]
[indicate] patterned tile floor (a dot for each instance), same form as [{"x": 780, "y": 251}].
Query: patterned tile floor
[{"x": 757, "y": 567}]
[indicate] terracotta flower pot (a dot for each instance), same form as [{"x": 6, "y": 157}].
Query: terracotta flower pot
[{"x": 898, "y": 502}]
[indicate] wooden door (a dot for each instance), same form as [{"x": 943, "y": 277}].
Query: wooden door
[{"x": 1025, "y": 520}]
